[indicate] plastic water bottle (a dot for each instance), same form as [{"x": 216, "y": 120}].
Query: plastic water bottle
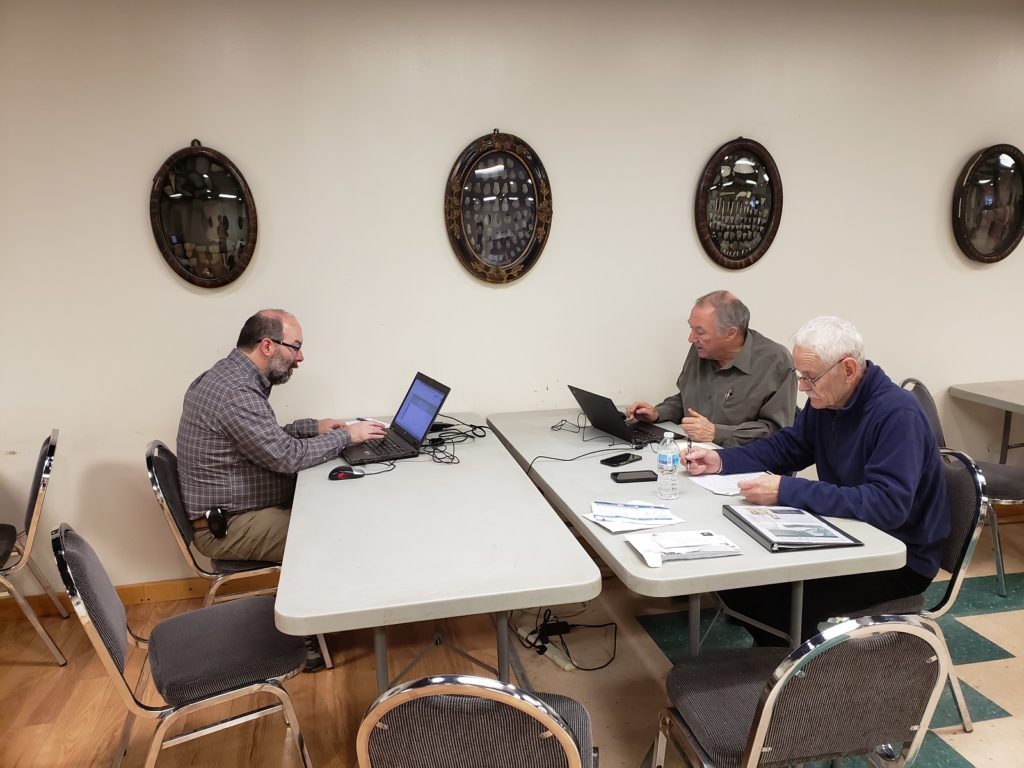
[{"x": 668, "y": 466}]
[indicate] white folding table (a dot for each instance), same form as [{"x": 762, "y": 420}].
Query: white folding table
[
  {"x": 571, "y": 486},
  {"x": 426, "y": 541}
]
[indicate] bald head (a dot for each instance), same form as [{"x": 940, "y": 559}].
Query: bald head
[{"x": 265, "y": 324}]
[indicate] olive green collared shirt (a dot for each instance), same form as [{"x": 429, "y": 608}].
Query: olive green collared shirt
[{"x": 751, "y": 398}]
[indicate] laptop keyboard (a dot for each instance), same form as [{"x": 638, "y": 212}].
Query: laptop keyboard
[{"x": 386, "y": 447}]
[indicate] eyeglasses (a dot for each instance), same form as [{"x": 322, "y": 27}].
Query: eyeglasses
[
  {"x": 294, "y": 347},
  {"x": 812, "y": 380}
]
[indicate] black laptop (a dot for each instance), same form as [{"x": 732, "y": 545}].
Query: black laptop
[
  {"x": 417, "y": 412},
  {"x": 603, "y": 414}
]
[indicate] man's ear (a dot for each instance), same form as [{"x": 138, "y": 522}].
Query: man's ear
[{"x": 850, "y": 367}]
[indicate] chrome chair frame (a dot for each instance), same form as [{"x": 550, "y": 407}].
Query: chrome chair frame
[
  {"x": 23, "y": 547},
  {"x": 931, "y": 616},
  {"x": 467, "y": 685},
  {"x": 168, "y": 715},
  {"x": 217, "y": 579},
  {"x": 671, "y": 725},
  {"x": 931, "y": 410}
]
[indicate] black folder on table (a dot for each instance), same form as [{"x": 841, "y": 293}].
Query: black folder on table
[{"x": 787, "y": 529}]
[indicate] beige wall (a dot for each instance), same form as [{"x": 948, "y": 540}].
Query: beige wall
[{"x": 346, "y": 119}]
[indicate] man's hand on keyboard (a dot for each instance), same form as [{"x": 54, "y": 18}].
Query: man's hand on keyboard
[
  {"x": 361, "y": 431},
  {"x": 642, "y": 411}
]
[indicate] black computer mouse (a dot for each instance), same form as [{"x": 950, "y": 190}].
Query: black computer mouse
[{"x": 345, "y": 472}]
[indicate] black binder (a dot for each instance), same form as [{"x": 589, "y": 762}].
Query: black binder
[{"x": 836, "y": 537}]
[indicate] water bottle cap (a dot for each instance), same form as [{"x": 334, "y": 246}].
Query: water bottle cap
[{"x": 669, "y": 435}]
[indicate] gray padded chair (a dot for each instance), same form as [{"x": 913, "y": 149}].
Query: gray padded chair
[
  {"x": 965, "y": 487},
  {"x": 197, "y": 659},
  {"x": 162, "y": 465},
  {"x": 1003, "y": 484},
  {"x": 14, "y": 542},
  {"x": 848, "y": 690},
  {"x": 464, "y": 721}
]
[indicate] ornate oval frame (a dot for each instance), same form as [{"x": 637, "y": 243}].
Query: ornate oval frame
[
  {"x": 961, "y": 202},
  {"x": 242, "y": 258},
  {"x": 459, "y": 184},
  {"x": 711, "y": 171}
]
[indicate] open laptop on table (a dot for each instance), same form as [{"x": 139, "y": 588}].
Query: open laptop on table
[
  {"x": 417, "y": 412},
  {"x": 603, "y": 414}
]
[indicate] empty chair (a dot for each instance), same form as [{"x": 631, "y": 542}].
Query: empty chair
[
  {"x": 463, "y": 721},
  {"x": 1003, "y": 484},
  {"x": 858, "y": 685},
  {"x": 965, "y": 487},
  {"x": 197, "y": 659},
  {"x": 18, "y": 545},
  {"x": 162, "y": 465}
]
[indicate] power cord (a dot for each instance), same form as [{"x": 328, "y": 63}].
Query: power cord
[
  {"x": 441, "y": 448},
  {"x": 550, "y": 627}
]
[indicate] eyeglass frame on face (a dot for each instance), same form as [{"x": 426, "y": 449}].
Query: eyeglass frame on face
[
  {"x": 296, "y": 348},
  {"x": 813, "y": 380}
]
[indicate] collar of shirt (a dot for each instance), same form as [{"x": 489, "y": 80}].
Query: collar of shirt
[
  {"x": 248, "y": 367},
  {"x": 744, "y": 358}
]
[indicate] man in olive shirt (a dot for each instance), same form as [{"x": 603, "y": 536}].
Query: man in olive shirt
[{"x": 735, "y": 386}]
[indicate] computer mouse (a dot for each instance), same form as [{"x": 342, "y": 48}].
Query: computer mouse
[{"x": 345, "y": 472}]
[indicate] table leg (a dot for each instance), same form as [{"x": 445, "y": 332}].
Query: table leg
[
  {"x": 380, "y": 652},
  {"x": 1005, "y": 447},
  {"x": 694, "y": 625},
  {"x": 796, "y": 611},
  {"x": 501, "y": 627}
]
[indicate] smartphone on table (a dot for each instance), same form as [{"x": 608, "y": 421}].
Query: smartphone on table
[
  {"x": 621, "y": 458},
  {"x": 638, "y": 476}
]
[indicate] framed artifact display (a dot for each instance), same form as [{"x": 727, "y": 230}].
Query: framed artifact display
[
  {"x": 497, "y": 207},
  {"x": 203, "y": 216},
  {"x": 739, "y": 203},
  {"x": 988, "y": 204}
]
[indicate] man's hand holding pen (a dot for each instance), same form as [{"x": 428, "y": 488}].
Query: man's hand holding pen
[{"x": 701, "y": 461}]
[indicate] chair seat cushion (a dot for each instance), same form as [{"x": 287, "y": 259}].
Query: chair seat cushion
[
  {"x": 211, "y": 650},
  {"x": 240, "y": 566},
  {"x": 1002, "y": 481},
  {"x": 904, "y": 605},
  {"x": 717, "y": 696},
  {"x": 8, "y": 535},
  {"x": 578, "y": 720}
]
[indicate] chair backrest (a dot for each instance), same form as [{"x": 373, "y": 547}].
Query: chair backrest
[
  {"x": 99, "y": 609},
  {"x": 965, "y": 490},
  {"x": 162, "y": 465},
  {"x": 463, "y": 721},
  {"x": 36, "y": 494},
  {"x": 868, "y": 681},
  {"x": 93, "y": 596},
  {"x": 924, "y": 397}
]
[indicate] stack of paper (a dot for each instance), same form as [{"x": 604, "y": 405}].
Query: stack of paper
[
  {"x": 619, "y": 516},
  {"x": 656, "y": 548}
]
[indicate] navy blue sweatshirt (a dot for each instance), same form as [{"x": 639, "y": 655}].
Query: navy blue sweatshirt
[{"x": 877, "y": 461}]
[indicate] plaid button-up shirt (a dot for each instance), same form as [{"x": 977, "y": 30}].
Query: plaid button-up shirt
[{"x": 232, "y": 453}]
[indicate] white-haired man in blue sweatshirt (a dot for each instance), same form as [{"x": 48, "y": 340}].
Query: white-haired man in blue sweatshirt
[{"x": 877, "y": 461}]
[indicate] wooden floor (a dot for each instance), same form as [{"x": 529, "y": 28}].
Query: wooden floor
[{"x": 71, "y": 716}]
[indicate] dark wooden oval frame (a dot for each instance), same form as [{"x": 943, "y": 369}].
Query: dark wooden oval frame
[
  {"x": 959, "y": 199},
  {"x": 198, "y": 150},
  {"x": 471, "y": 155},
  {"x": 737, "y": 146}
]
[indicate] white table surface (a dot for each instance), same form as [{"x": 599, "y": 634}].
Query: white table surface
[
  {"x": 425, "y": 541},
  {"x": 1003, "y": 395},
  {"x": 572, "y": 486}
]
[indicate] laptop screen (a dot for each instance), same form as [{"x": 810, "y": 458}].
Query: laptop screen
[{"x": 420, "y": 407}]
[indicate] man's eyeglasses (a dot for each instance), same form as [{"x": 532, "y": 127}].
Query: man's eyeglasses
[
  {"x": 812, "y": 380},
  {"x": 294, "y": 347}
]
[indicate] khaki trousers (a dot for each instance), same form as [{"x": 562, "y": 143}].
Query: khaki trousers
[{"x": 256, "y": 535}]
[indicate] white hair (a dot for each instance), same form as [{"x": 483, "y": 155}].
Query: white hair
[{"x": 831, "y": 339}]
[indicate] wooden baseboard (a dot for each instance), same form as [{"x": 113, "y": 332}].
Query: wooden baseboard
[
  {"x": 1009, "y": 513},
  {"x": 147, "y": 592}
]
